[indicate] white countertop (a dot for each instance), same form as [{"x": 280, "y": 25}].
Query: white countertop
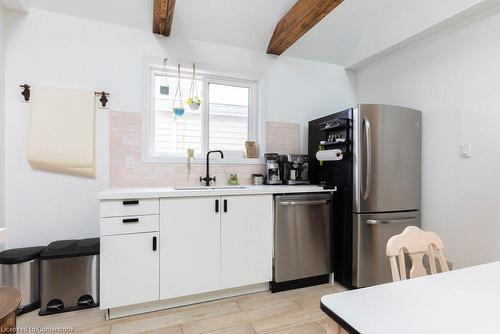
[
  {"x": 460, "y": 301},
  {"x": 137, "y": 193}
]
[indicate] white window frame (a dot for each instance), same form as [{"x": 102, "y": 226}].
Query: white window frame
[{"x": 230, "y": 157}]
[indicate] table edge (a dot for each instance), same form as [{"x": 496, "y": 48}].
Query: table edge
[{"x": 341, "y": 322}]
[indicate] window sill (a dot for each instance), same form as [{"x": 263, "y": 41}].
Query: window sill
[{"x": 202, "y": 161}]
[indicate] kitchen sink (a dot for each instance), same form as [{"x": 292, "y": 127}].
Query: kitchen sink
[{"x": 209, "y": 188}]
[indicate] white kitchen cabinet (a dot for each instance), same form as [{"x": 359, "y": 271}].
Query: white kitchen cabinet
[
  {"x": 246, "y": 240},
  {"x": 190, "y": 246},
  {"x": 129, "y": 269}
]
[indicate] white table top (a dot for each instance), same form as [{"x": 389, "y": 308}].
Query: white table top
[
  {"x": 157, "y": 192},
  {"x": 460, "y": 301}
]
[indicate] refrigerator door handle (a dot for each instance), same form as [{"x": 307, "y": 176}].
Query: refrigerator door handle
[
  {"x": 391, "y": 221},
  {"x": 368, "y": 136}
]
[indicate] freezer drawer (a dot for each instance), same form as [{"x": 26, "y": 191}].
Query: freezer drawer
[
  {"x": 370, "y": 235},
  {"x": 301, "y": 236}
]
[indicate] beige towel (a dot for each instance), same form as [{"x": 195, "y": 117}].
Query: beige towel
[{"x": 61, "y": 133}]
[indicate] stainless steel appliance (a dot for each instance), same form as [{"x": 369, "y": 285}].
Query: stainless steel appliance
[
  {"x": 378, "y": 182},
  {"x": 272, "y": 169},
  {"x": 294, "y": 168},
  {"x": 302, "y": 234},
  {"x": 257, "y": 179},
  {"x": 20, "y": 268}
]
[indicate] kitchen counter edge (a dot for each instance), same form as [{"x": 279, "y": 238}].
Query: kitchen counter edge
[{"x": 166, "y": 192}]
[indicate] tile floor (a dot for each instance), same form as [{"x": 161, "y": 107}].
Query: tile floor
[{"x": 294, "y": 312}]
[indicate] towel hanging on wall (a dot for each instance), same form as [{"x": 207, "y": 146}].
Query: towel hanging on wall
[{"x": 61, "y": 131}]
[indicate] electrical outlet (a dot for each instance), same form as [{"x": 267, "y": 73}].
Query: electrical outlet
[
  {"x": 465, "y": 150},
  {"x": 130, "y": 161}
]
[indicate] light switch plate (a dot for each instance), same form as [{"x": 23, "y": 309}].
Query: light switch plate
[
  {"x": 130, "y": 161},
  {"x": 465, "y": 150}
]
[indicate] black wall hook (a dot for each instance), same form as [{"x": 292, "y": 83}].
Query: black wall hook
[
  {"x": 26, "y": 92},
  {"x": 104, "y": 98}
]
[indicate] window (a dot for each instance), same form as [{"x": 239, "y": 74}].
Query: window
[
  {"x": 174, "y": 135},
  {"x": 226, "y": 119}
]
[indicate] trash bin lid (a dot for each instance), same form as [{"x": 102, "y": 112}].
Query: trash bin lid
[
  {"x": 71, "y": 248},
  {"x": 87, "y": 247},
  {"x": 20, "y": 255},
  {"x": 59, "y": 249}
]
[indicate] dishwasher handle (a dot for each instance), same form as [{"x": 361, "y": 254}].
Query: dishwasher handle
[{"x": 292, "y": 203}]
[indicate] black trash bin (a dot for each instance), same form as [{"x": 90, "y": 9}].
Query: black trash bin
[{"x": 69, "y": 276}]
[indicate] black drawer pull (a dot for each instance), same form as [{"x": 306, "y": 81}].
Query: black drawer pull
[
  {"x": 130, "y": 220},
  {"x": 225, "y": 205},
  {"x": 216, "y": 205},
  {"x": 131, "y": 202},
  {"x": 154, "y": 243}
]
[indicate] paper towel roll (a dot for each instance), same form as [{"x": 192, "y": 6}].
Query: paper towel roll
[{"x": 329, "y": 155}]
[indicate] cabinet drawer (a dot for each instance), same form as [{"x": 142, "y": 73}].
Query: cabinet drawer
[
  {"x": 129, "y": 224},
  {"x": 130, "y": 207}
]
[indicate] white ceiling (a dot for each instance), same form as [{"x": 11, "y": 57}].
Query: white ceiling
[
  {"x": 131, "y": 13},
  {"x": 358, "y": 29},
  {"x": 354, "y": 32},
  {"x": 242, "y": 23}
]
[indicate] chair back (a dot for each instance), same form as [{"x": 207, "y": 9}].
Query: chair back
[{"x": 416, "y": 244}]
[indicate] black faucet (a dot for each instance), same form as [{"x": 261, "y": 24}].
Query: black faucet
[{"x": 207, "y": 177}]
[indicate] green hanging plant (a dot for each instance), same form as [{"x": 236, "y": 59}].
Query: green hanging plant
[{"x": 194, "y": 100}]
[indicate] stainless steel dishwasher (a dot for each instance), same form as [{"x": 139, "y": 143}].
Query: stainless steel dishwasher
[{"x": 302, "y": 236}]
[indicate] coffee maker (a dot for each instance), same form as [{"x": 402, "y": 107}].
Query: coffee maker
[
  {"x": 272, "y": 169},
  {"x": 294, "y": 168}
]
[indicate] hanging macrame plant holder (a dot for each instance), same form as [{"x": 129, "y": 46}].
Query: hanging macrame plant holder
[
  {"x": 164, "y": 85},
  {"x": 178, "y": 108},
  {"x": 194, "y": 100}
]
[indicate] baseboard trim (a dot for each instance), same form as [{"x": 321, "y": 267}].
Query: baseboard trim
[{"x": 126, "y": 311}]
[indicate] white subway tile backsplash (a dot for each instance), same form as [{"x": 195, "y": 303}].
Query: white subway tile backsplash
[
  {"x": 125, "y": 140},
  {"x": 283, "y": 137}
]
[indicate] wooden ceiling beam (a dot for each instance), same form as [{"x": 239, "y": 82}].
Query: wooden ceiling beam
[
  {"x": 163, "y": 16},
  {"x": 300, "y": 19}
]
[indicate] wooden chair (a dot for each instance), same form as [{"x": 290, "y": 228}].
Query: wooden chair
[
  {"x": 416, "y": 243},
  {"x": 10, "y": 298}
]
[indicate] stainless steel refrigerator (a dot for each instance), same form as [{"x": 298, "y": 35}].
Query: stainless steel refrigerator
[{"x": 378, "y": 181}]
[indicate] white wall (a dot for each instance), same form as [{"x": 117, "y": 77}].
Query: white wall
[
  {"x": 2, "y": 114},
  {"x": 55, "y": 50},
  {"x": 454, "y": 79},
  {"x": 300, "y": 91}
]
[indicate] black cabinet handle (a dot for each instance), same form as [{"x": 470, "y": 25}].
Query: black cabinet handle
[
  {"x": 154, "y": 243},
  {"x": 225, "y": 205},
  {"x": 130, "y": 220},
  {"x": 217, "y": 205},
  {"x": 131, "y": 202}
]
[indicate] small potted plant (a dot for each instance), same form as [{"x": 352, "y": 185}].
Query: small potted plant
[
  {"x": 233, "y": 180},
  {"x": 194, "y": 102}
]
